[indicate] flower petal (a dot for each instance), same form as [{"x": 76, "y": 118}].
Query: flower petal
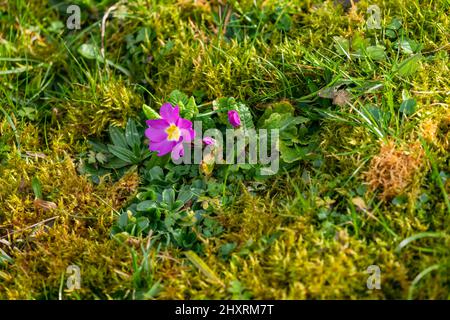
[
  {"x": 178, "y": 151},
  {"x": 209, "y": 141},
  {"x": 169, "y": 113},
  {"x": 187, "y": 134},
  {"x": 184, "y": 123},
  {"x": 155, "y": 135},
  {"x": 158, "y": 124},
  {"x": 163, "y": 147}
]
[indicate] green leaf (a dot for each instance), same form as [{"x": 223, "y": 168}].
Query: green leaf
[
  {"x": 283, "y": 121},
  {"x": 56, "y": 26},
  {"x": 207, "y": 122},
  {"x": 101, "y": 157},
  {"x": 226, "y": 104},
  {"x": 284, "y": 22},
  {"x": 142, "y": 224},
  {"x": 185, "y": 195},
  {"x": 395, "y": 24},
  {"x": 117, "y": 66},
  {"x": 116, "y": 163},
  {"x": 131, "y": 134},
  {"x": 176, "y": 206},
  {"x": 123, "y": 219},
  {"x": 190, "y": 109},
  {"x": 91, "y": 157},
  {"x": 145, "y": 34},
  {"x": 153, "y": 291},
  {"x": 245, "y": 115},
  {"x": 342, "y": 46},
  {"x": 279, "y": 107},
  {"x": 156, "y": 173},
  {"x": 5, "y": 258},
  {"x": 408, "y": 107},
  {"x": 90, "y": 52},
  {"x": 117, "y": 137},
  {"x": 226, "y": 249},
  {"x": 290, "y": 154},
  {"x": 179, "y": 98},
  {"x": 408, "y": 66},
  {"x": 168, "y": 196},
  {"x": 223, "y": 104},
  {"x": 149, "y": 112},
  {"x": 123, "y": 153},
  {"x": 37, "y": 187},
  {"x": 98, "y": 147},
  {"x": 408, "y": 46},
  {"x": 146, "y": 205},
  {"x": 359, "y": 43},
  {"x": 391, "y": 34},
  {"x": 376, "y": 53}
]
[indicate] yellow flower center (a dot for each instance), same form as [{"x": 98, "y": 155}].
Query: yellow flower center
[{"x": 173, "y": 133}]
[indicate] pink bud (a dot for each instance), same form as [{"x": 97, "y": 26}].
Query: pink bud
[
  {"x": 233, "y": 118},
  {"x": 209, "y": 141}
]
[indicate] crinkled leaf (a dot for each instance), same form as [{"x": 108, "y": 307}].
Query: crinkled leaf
[
  {"x": 149, "y": 112},
  {"x": 283, "y": 121},
  {"x": 245, "y": 115},
  {"x": 191, "y": 109},
  {"x": 156, "y": 173},
  {"x": 227, "y": 104},
  {"x": 279, "y": 107},
  {"x": 179, "y": 98},
  {"x": 291, "y": 154}
]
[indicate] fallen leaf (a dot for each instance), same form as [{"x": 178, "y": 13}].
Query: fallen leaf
[{"x": 45, "y": 205}]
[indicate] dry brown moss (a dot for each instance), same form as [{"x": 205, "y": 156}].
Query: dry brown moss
[
  {"x": 394, "y": 168},
  {"x": 436, "y": 129}
]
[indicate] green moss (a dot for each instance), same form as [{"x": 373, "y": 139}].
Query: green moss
[
  {"x": 89, "y": 111},
  {"x": 308, "y": 233}
]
